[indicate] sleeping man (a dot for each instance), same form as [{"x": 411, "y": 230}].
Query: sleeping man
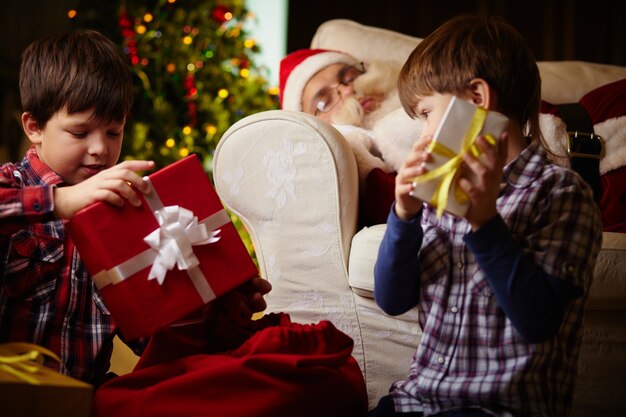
[{"x": 361, "y": 101}]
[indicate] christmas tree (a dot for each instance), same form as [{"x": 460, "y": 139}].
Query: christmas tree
[{"x": 194, "y": 72}]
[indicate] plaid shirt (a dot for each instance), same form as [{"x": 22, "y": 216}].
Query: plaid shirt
[
  {"x": 46, "y": 295},
  {"x": 470, "y": 354}
]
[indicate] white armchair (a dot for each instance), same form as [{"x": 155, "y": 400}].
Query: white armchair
[{"x": 292, "y": 179}]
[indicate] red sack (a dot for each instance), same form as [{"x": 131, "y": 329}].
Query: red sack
[{"x": 286, "y": 369}]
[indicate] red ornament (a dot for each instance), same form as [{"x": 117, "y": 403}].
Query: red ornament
[
  {"x": 126, "y": 28},
  {"x": 219, "y": 14}
]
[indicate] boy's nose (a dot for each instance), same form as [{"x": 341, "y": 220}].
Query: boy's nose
[{"x": 97, "y": 145}]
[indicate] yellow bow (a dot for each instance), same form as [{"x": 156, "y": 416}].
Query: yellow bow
[
  {"x": 448, "y": 170},
  {"x": 22, "y": 360}
]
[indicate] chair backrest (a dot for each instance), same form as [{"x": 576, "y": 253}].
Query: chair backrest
[
  {"x": 280, "y": 167},
  {"x": 562, "y": 81}
]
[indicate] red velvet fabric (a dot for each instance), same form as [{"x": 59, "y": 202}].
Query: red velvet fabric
[
  {"x": 605, "y": 103},
  {"x": 284, "y": 369},
  {"x": 377, "y": 199}
]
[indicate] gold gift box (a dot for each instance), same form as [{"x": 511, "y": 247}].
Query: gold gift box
[{"x": 48, "y": 393}]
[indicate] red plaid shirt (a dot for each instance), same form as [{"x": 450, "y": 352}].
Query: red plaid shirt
[{"x": 46, "y": 295}]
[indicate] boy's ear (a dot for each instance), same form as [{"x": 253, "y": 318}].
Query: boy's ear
[
  {"x": 481, "y": 93},
  {"x": 31, "y": 128}
]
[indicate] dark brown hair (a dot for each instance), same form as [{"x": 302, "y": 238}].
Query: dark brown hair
[
  {"x": 80, "y": 70},
  {"x": 468, "y": 47}
]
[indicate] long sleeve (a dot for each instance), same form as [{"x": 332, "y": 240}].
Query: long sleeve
[
  {"x": 17, "y": 200},
  {"x": 396, "y": 273},
  {"x": 532, "y": 299}
]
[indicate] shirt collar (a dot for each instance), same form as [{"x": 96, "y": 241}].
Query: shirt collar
[
  {"x": 40, "y": 169},
  {"x": 527, "y": 167}
]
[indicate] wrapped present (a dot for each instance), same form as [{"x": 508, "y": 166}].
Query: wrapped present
[
  {"x": 158, "y": 263},
  {"x": 461, "y": 125},
  {"x": 29, "y": 389}
]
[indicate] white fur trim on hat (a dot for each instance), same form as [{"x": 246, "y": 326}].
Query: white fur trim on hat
[{"x": 300, "y": 75}]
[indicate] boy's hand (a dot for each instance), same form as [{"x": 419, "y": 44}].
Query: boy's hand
[
  {"x": 483, "y": 185},
  {"x": 242, "y": 302},
  {"x": 232, "y": 313},
  {"x": 408, "y": 206},
  {"x": 114, "y": 186}
]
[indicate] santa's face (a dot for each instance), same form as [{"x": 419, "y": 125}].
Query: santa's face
[{"x": 331, "y": 95}]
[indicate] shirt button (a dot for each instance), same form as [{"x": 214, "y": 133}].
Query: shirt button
[
  {"x": 454, "y": 309},
  {"x": 459, "y": 265},
  {"x": 441, "y": 360},
  {"x": 37, "y": 206}
]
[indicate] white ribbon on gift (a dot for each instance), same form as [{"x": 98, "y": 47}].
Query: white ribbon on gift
[
  {"x": 178, "y": 231},
  {"x": 170, "y": 244}
]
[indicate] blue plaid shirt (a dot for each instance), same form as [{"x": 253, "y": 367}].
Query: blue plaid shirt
[{"x": 471, "y": 354}]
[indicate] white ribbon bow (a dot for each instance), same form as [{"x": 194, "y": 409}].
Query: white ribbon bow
[{"x": 178, "y": 231}]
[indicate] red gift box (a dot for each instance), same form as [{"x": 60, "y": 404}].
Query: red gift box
[{"x": 160, "y": 262}]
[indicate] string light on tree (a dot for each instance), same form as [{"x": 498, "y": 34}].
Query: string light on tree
[{"x": 194, "y": 72}]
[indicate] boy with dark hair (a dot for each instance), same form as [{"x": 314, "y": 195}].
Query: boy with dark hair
[
  {"x": 500, "y": 292},
  {"x": 76, "y": 93}
]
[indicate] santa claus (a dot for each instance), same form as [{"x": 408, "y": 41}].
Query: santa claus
[{"x": 359, "y": 99}]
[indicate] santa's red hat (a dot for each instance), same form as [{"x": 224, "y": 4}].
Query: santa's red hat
[{"x": 297, "y": 68}]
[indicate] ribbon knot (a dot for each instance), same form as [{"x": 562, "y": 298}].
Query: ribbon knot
[{"x": 174, "y": 239}]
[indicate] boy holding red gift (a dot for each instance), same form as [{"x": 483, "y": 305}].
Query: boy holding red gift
[
  {"x": 76, "y": 92},
  {"x": 500, "y": 291}
]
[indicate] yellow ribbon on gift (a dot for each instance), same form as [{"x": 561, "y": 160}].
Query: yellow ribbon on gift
[
  {"x": 23, "y": 360},
  {"x": 448, "y": 170}
]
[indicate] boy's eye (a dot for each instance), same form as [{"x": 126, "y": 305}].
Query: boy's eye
[
  {"x": 79, "y": 134},
  {"x": 115, "y": 134}
]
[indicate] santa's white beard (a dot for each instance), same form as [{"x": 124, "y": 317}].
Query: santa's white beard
[{"x": 379, "y": 80}]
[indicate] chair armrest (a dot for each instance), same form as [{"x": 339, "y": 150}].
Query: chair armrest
[
  {"x": 363, "y": 254},
  {"x": 608, "y": 291},
  {"x": 292, "y": 180}
]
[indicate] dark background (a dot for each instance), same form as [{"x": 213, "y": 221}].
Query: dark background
[{"x": 555, "y": 29}]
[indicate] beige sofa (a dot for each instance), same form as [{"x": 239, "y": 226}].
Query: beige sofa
[{"x": 292, "y": 179}]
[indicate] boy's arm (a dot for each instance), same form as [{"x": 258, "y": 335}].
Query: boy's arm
[
  {"x": 532, "y": 299},
  {"x": 397, "y": 269},
  {"x": 26, "y": 201},
  {"x": 22, "y": 205}
]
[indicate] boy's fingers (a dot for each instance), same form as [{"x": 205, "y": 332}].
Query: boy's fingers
[
  {"x": 137, "y": 165},
  {"x": 127, "y": 171},
  {"x": 262, "y": 284},
  {"x": 111, "y": 197},
  {"x": 257, "y": 303}
]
